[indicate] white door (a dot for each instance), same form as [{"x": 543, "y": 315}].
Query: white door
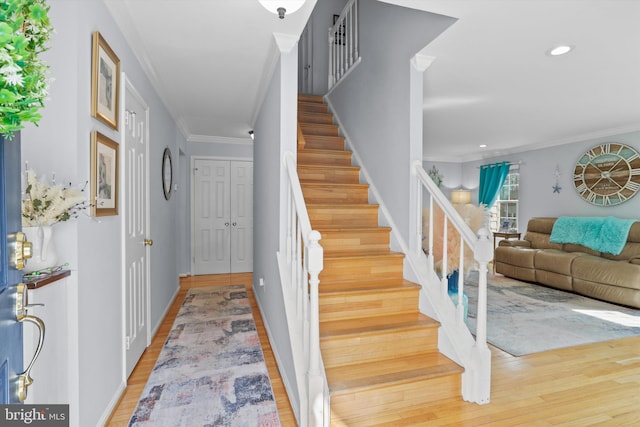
[
  {"x": 241, "y": 217},
  {"x": 305, "y": 62},
  {"x": 222, "y": 216},
  {"x": 211, "y": 216},
  {"x": 136, "y": 228}
]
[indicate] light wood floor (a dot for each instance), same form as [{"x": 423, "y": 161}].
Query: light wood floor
[{"x": 595, "y": 384}]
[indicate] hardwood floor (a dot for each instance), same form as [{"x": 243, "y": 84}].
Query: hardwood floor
[
  {"x": 121, "y": 414},
  {"x": 595, "y": 384}
]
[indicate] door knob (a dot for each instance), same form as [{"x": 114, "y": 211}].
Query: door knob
[
  {"x": 234, "y": 224},
  {"x": 148, "y": 242},
  {"x": 22, "y": 250},
  {"x": 24, "y": 379},
  {"x": 226, "y": 224}
]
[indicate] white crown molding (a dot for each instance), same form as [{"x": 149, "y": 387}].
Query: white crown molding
[
  {"x": 421, "y": 61},
  {"x": 285, "y": 42},
  {"x": 540, "y": 145},
  {"x": 218, "y": 139}
]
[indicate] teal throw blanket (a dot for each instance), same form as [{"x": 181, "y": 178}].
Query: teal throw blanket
[{"x": 604, "y": 234}]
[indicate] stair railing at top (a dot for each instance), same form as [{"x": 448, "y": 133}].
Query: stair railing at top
[
  {"x": 301, "y": 261},
  {"x": 344, "y": 49},
  {"x": 475, "y": 355}
]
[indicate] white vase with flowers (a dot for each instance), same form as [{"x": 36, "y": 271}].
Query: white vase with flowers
[{"x": 45, "y": 205}]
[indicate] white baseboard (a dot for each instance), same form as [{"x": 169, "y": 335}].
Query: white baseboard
[
  {"x": 112, "y": 404},
  {"x": 295, "y": 406},
  {"x": 154, "y": 331}
]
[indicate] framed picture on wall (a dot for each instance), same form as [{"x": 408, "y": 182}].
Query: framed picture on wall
[
  {"x": 105, "y": 82},
  {"x": 104, "y": 175}
]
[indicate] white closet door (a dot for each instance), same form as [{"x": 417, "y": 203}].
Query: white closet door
[
  {"x": 211, "y": 206},
  {"x": 241, "y": 217},
  {"x": 136, "y": 227}
]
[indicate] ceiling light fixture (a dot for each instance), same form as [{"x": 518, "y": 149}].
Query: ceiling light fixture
[
  {"x": 280, "y": 7},
  {"x": 483, "y": 145},
  {"x": 560, "y": 50}
]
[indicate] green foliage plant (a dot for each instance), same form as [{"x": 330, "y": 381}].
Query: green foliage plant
[{"x": 25, "y": 30}]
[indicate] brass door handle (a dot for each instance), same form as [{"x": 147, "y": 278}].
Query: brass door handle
[
  {"x": 24, "y": 379},
  {"x": 22, "y": 250},
  {"x": 148, "y": 242}
]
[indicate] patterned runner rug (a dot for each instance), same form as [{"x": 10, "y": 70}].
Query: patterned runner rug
[
  {"x": 211, "y": 370},
  {"x": 525, "y": 318}
]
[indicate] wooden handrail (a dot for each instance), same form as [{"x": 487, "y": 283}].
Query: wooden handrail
[{"x": 301, "y": 140}]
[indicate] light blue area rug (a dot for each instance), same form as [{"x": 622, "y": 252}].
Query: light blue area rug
[
  {"x": 525, "y": 318},
  {"x": 211, "y": 370}
]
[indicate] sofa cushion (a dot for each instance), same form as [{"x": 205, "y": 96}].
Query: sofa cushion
[
  {"x": 522, "y": 257},
  {"x": 614, "y": 294},
  {"x": 525, "y": 274},
  {"x": 541, "y": 241},
  {"x": 570, "y": 247},
  {"x": 511, "y": 242},
  {"x": 607, "y": 272},
  {"x": 555, "y": 261},
  {"x": 555, "y": 280},
  {"x": 631, "y": 250},
  {"x": 542, "y": 225}
]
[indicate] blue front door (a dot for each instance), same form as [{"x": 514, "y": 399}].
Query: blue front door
[{"x": 10, "y": 222}]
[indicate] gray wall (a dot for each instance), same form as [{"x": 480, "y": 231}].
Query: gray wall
[
  {"x": 537, "y": 178},
  {"x": 373, "y": 101},
  {"x": 93, "y": 246},
  {"x": 275, "y": 133}
]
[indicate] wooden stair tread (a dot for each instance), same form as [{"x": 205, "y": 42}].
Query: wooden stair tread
[
  {"x": 375, "y": 325},
  {"x": 323, "y": 152},
  {"x": 324, "y": 167},
  {"x": 311, "y": 97},
  {"x": 339, "y": 229},
  {"x": 381, "y": 373},
  {"x": 342, "y": 206},
  {"x": 333, "y": 185},
  {"x": 370, "y": 254},
  {"x": 334, "y": 287}
]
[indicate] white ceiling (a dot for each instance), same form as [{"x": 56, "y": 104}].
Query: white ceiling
[{"x": 490, "y": 83}]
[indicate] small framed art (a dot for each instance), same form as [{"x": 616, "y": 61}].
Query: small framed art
[
  {"x": 104, "y": 175},
  {"x": 105, "y": 82}
]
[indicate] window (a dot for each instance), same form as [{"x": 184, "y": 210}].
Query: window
[{"x": 504, "y": 213}]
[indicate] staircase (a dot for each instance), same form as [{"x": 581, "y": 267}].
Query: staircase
[{"x": 380, "y": 353}]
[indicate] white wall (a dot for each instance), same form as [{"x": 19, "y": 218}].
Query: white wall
[
  {"x": 92, "y": 246},
  {"x": 373, "y": 101}
]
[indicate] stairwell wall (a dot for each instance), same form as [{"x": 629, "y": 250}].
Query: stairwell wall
[
  {"x": 373, "y": 101},
  {"x": 275, "y": 133}
]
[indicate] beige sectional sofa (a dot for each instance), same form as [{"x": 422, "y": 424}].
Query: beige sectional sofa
[{"x": 571, "y": 267}]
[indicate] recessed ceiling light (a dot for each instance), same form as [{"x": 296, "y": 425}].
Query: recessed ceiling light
[
  {"x": 560, "y": 50},
  {"x": 483, "y": 145}
]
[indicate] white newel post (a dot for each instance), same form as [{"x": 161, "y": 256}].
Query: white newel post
[
  {"x": 314, "y": 265},
  {"x": 479, "y": 387}
]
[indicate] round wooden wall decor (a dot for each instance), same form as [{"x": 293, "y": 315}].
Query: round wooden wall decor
[{"x": 608, "y": 174}]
